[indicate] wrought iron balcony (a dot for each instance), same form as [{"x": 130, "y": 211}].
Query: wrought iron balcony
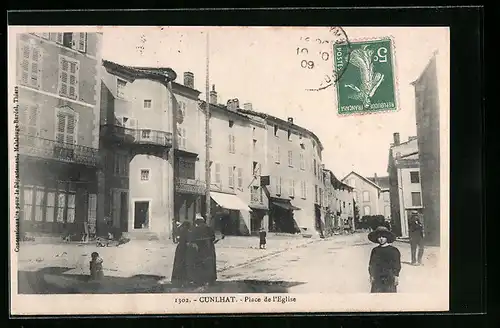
[
  {"x": 138, "y": 136},
  {"x": 190, "y": 186},
  {"x": 61, "y": 151}
]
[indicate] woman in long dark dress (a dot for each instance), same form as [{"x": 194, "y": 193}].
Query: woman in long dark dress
[
  {"x": 179, "y": 271},
  {"x": 202, "y": 269}
]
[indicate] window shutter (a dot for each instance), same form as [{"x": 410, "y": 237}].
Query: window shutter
[
  {"x": 25, "y": 62},
  {"x": 33, "y": 120},
  {"x": 61, "y": 127},
  {"x": 23, "y": 117},
  {"x": 63, "y": 76},
  {"x": 73, "y": 79},
  {"x": 59, "y": 38},
  {"x": 82, "y": 42}
]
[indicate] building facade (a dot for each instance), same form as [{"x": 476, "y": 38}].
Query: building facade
[
  {"x": 189, "y": 151},
  {"x": 137, "y": 124},
  {"x": 427, "y": 107},
  {"x": 405, "y": 188},
  {"x": 296, "y": 180},
  {"x": 384, "y": 198},
  {"x": 367, "y": 195},
  {"x": 340, "y": 203},
  {"x": 58, "y": 84}
]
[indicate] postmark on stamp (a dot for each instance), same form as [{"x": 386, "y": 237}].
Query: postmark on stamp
[{"x": 367, "y": 81}]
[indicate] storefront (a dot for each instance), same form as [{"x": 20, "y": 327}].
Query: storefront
[
  {"x": 281, "y": 216},
  {"x": 231, "y": 216}
]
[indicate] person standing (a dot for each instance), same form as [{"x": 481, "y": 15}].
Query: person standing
[
  {"x": 262, "y": 238},
  {"x": 179, "y": 270},
  {"x": 416, "y": 228},
  {"x": 385, "y": 262},
  {"x": 202, "y": 268}
]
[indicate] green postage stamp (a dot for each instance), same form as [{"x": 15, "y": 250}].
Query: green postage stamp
[{"x": 367, "y": 84}]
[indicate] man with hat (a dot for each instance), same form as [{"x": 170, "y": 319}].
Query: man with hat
[
  {"x": 385, "y": 262},
  {"x": 416, "y": 238}
]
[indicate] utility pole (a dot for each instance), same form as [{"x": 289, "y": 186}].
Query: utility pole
[{"x": 207, "y": 139}]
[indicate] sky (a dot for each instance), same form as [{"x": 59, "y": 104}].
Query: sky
[{"x": 260, "y": 65}]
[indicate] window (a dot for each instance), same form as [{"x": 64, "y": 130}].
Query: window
[
  {"x": 217, "y": 173},
  {"x": 146, "y": 134},
  {"x": 304, "y": 190},
  {"x": 121, "y": 165},
  {"x": 277, "y": 154},
  {"x": 240, "y": 177},
  {"x": 29, "y": 118},
  {"x": 92, "y": 212},
  {"x": 147, "y": 103},
  {"x": 69, "y": 71},
  {"x": 39, "y": 203},
  {"x": 315, "y": 194},
  {"x": 366, "y": 196},
  {"x": 254, "y": 145},
  {"x": 291, "y": 190},
  {"x": 67, "y": 122},
  {"x": 61, "y": 204},
  {"x": 289, "y": 135},
  {"x": 231, "y": 123},
  {"x": 231, "y": 176},
  {"x": 182, "y": 137},
  {"x": 254, "y": 194},
  {"x": 302, "y": 162},
  {"x": 416, "y": 200},
  {"x": 414, "y": 177},
  {"x": 290, "y": 158},
  {"x": 232, "y": 146},
  {"x": 120, "y": 88},
  {"x": 70, "y": 217},
  {"x": 366, "y": 210},
  {"x": 57, "y": 37},
  {"x": 315, "y": 167},
  {"x": 30, "y": 65},
  {"x": 144, "y": 174},
  {"x": 320, "y": 196},
  {"x": 51, "y": 203},
  {"x": 79, "y": 42},
  {"x": 255, "y": 168},
  {"x": 42, "y": 35},
  {"x": 276, "y": 129},
  {"x": 278, "y": 185}
]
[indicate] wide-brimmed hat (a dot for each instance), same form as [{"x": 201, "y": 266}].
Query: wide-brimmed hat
[{"x": 381, "y": 231}]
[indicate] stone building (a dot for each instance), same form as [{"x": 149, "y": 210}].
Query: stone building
[{"x": 58, "y": 84}]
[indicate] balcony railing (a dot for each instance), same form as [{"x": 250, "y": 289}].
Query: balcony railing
[
  {"x": 190, "y": 186},
  {"x": 61, "y": 151},
  {"x": 140, "y": 136}
]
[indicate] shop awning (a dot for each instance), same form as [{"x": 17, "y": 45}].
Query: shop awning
[
  {"x": 228, "y": 201},
  {"x": 285, "y": 204}
]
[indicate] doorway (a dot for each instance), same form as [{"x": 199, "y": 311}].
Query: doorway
[{"x": 141, "y": 215}]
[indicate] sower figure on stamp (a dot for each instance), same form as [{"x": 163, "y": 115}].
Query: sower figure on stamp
[
  {"x": 179, "y": 271},
  {"x": 385, "y": 262},
  {"x": 416, "y": 228},
  {"x": 202, "y": 269}
]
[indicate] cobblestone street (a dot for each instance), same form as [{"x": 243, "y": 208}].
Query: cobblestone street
[{"x": 294, "y": 265}]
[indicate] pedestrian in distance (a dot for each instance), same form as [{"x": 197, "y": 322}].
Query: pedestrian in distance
[
  {"x": 385, "y": 262},
  {"x": 179, "y": 270},
  {"x": 416, "y": 228},
  {"x": 262, "y": 238}
]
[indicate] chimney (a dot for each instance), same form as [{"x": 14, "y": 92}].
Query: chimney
[
  {"x": 213, "y": 95},
  {"x": 375, "y": 177},
  {"x": 247, "y": 106},
  {"x": 189, "y": 79},
  {"x": 396, "y": 139},
  {"x": 290, "y": 120},
  {"x": 236, "y": 102},
  {"x": 233, "y": 104}
]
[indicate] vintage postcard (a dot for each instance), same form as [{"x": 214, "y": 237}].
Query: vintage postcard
[{"x": 191, "y": 170}]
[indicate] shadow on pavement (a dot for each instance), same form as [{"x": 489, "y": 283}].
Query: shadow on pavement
[{"x": 54, "y": 280}]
